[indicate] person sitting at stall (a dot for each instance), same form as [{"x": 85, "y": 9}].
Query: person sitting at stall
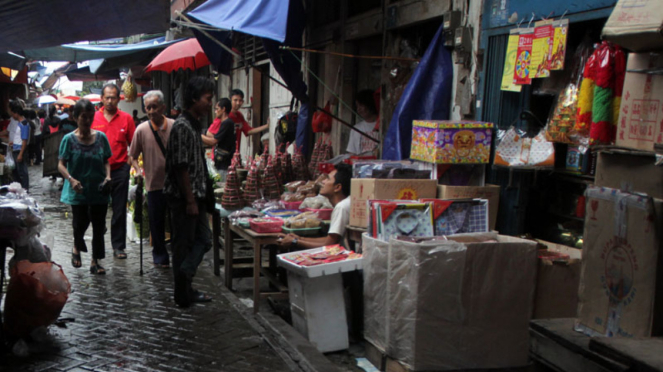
[
  {"x": 337, "y": 189},
  {"x": 359, "y": 144}
]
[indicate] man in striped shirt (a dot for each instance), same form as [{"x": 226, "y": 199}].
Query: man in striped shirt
[{"x": 185, "y": 188}]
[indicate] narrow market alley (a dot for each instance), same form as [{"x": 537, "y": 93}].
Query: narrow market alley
[{"x": 126, "y": 322}]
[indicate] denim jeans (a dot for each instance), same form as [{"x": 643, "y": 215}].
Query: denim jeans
[{"x": 20, "y": 172}]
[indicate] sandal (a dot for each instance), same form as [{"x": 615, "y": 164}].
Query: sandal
[
  {"x": 97, "y": 270},
  {"x": 76, "y": 260},
  {"x": 120, "y": 255}
]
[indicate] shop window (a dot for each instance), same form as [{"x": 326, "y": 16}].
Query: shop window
[{"x": 251, "y": 49}]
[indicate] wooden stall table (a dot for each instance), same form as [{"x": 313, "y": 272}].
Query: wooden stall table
[{"x": 257, "y": 241}]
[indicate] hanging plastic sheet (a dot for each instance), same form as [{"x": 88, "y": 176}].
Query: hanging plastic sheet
[
  {"x": 426, "y": 97},
  {"x": 287, "y": 64},
  {"x": 221, "y": 59}
]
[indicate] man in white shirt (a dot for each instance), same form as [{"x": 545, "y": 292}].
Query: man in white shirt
[
  {"x": 337, "y": 189},
  {"x": 358, "y": 144}
]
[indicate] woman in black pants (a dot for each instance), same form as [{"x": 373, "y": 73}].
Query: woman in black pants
[{"x": 84, "y": 155}]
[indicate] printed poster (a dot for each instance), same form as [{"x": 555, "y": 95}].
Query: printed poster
[
  {"x": 559, "y": 44},
  {"x": 522, "y": 71},
  {"x": 510, "y": 63},
  {"x": 542, "y": 47}
]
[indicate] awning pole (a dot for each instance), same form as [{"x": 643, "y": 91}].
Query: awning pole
[{"x": 229, "y": 50}]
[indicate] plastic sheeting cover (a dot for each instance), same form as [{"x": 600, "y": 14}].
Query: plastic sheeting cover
[{"x": 427, "y": 96}]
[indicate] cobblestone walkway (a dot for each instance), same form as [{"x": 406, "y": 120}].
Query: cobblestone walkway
[{"x": 126, "y": 322}]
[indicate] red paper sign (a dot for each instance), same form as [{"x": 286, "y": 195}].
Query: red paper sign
[{"x": 522, "y": 73}]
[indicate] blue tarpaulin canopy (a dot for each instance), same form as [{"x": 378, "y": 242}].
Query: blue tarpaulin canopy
[
  {"x": 85, "y": 52},
  {"x": 263, "y": 18},
  {"x": 33, "y": 24}
]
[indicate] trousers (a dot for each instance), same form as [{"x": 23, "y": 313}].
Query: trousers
[
  {"x": 191, "y": 239},
  {"x": 83, "y": 215},
  {"x": 156, "y": 211},
  {"x": 119, "y": 196}
]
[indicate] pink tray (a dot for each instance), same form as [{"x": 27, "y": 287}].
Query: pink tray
[
  {"x": 324, "y": 214},
  {"x": 291, "y": 205},
  {"x": 273, "y": 226}
]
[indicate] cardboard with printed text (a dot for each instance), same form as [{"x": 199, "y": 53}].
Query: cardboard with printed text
[{"x": 620, "y": 282}]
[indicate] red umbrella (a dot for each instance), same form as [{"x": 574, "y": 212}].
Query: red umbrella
[{"x": 184, "y": 55}]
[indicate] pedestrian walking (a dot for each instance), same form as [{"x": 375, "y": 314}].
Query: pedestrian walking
[
  {"x": 84, "y": 163},
  {"x": 119, "y": 127},
  {"x": 19, "y": 135},
  {"x": 52, "y": 121},
  {"x": 151, "y": 140},
  {"x": 185, "y": 187},
  {"x": 39, "y": 136}
]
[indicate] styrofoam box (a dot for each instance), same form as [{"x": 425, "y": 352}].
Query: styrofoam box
[{"x": 322, "y": 269}]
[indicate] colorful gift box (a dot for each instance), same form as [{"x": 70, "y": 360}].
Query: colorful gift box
[{"x": 451, "y": 142}]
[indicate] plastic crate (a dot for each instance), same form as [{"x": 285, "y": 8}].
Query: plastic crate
[{"x": 273, "y": 226}]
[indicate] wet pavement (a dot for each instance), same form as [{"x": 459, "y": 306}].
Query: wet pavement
[{"x": 126, "y": 322}]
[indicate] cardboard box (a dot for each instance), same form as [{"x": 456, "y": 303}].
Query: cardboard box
[
  {"x": 461, "y": 304},
  {"x": 636, "y": 25},
  {"x": 490, "y": 192},
  {"x": 620, "y": 285},
  {"x": 451, "y": 142},
  {"x": 640, "y": 123},
  {"x": 365, "y": 189},
  {"x": 558, "y": 279},
  {"x": 630, "y": 171}
]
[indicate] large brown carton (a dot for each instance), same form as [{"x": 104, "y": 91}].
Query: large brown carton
[
  {"x": 636, "y": 25},
  {"x": 557, "y": 282},
  {"x": 640, "y": 124},
  {"x": 490, "y": 192},
  {"x": 630, "y": 171},
  {"x": 365, "y": 189},
  {"x": 620, "y": 285},
  {"x": 462, "y": 303}
]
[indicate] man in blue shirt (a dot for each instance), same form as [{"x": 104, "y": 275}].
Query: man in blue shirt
[{"x": 19, "y": 134}]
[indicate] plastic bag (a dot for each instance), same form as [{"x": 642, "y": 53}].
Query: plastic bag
[
  {"x": 36, "y": 294},
  {"x": 317, "y": 202},
  {"x": 9, "y": 160},
  {"x": 306, "y": 220},
  {"x": 516, "y": 150}
]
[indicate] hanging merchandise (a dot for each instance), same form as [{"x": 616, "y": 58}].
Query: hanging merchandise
[
  {"x": 559, "y": 44},
  {"x": 542, "y": 47},
  {"x": 299, "y": 166},
  {"x": 515, "y": 150},
  {"x": 600, "y": 94},
  {"x": 562, "y": 118},
  {"x": 609, "y": 72},
  {"x": 522, "y": 73},
  {"x": 510, "y": 63},
  {"x": 129, "y": 88},
  {"x": 586, "y": 97},
  {"x": 322, "y": 122},
  {"x": 313, "y": 164}
]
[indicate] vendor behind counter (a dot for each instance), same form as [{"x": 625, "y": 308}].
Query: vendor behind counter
[{"x": 337, "y": 189}]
